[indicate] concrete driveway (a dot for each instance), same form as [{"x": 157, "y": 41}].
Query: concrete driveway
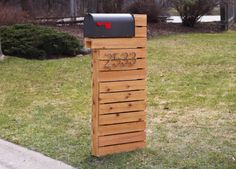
[{"x": 16, "y": 157}]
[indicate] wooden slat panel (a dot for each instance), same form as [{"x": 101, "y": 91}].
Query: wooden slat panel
[
  {"x": 122, "y": 118},
  {"x": 104, "y": 54},
  {"x": 122, "y": 107},
  {"x": 140, "y": 20},
  {"x": 123, "y": 86},
  {"x": 140, "y": 32},
  {"x": 122, "y": 96},
  {"x": 107, "y": 65},
  {"x": 121, "y": 128},
  {"x": 122, "y": 138},
  {"x": 122, "y": 75},
  {"x": 95, "y": 105},
  {"x": 116, "y": 43},
  {"x": 120, "y": 148}
]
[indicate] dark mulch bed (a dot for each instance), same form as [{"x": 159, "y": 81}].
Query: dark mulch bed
[
  {"x": 156, "y": 29},
  {"x": 72, "y": 29}
]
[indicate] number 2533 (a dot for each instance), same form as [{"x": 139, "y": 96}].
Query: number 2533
[{"x": 120, "y": 60}]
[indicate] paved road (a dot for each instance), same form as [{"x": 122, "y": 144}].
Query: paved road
[
  {"x": 15, "y": 157},
  {"x": 208, "y": 18}
]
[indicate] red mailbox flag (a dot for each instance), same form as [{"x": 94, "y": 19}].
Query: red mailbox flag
[{"x": 107, "y": 25}]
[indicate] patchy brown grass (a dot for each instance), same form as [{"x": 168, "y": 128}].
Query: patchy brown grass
[{"x": 46, "y": 106}]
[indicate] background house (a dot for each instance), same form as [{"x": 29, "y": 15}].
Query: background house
[{"x": 58, "y": 9}]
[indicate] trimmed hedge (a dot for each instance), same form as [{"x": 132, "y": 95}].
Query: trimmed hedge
[{"x": 37, "y": 42}]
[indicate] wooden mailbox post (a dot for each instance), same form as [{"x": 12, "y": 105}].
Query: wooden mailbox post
[{"x": 119, "y": 74}]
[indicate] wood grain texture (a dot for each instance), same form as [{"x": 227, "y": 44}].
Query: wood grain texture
[
  {"x": 87, "y": 42},
  {"x": 95, "y": 103},
  {"x": 122, "y": 118},
  {"x": 121, "y": 128},
  {"x": 140, "y": 20},
  {"x": 104, "y": 54},
  {"x": 122, "y": 75},
  {"x": 122, "y": 96},
  {"x": 122, "y": 86},
  {"x": 122, "y": 107},
  {"x": 117, "y": 43},
  {"x": 140, "y": 32},
  {"x": 113, "y": 65},
  {"x": 120, "y": 148},
  {"x": 122, "y": 138}
]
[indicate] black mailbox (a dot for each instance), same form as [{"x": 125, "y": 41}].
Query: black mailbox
[{"x": 109, "y": 26}]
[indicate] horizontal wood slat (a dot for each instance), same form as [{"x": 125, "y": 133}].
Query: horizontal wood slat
[
  {"x": 122, "y": 86},
  {"x": 122, "y": 75},
  {"x": 140, "y": 20},
  {"x": 109, "y": 65},
  {"x": 121, "y": 128},
  {"x": 122, "y": 118},
  {"x": 105, "y": 54},
  {"x": 122, "y": 96},
  {"x": 122, "y": 138},
  {"x": 116, "y": 43},
  {"x": 122, "y": 107},
  {"x": 140, "y": 32},
  {"x": 120, "y": 148}
]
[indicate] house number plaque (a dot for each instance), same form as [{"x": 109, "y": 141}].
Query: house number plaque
[{"x": 120, "y": 59}]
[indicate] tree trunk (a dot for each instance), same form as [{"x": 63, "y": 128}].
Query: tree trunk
[
  {"x": 73, "y": 10},
  {"x": 1, "y": 54}
]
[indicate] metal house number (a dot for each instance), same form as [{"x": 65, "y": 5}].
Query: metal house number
[{"x": 120, "y": 60}]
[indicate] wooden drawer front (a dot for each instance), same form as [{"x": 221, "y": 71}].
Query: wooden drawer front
[
  {"x": 122, "y": 138},
  {"x": 122, "y": 118},
  {"x": 122, "y": 107},
  {"x": 122, "y": 86},
  {"x": 121, "y": 128}
]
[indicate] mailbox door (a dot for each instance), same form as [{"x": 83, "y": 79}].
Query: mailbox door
[{"x": 109, "y": 26}]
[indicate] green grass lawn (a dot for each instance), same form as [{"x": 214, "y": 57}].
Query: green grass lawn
[{"x": 46, "y": 106}]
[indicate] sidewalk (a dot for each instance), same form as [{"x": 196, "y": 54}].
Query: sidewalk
[
  {"x": 207, "y": 18},
  {"x": 16, "y": 157}
]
